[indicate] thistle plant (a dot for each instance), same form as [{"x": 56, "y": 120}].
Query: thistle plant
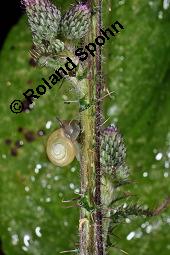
[{"x": 102, "y": 153}]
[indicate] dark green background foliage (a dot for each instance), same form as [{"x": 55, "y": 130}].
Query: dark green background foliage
[{"x": 137, "y": 71}]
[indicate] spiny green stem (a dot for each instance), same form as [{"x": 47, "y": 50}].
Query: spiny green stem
[
  {"x": 98, "y": 122},
  {"x": 86, "y": 223},
  {"x": 91, "y": 240}
]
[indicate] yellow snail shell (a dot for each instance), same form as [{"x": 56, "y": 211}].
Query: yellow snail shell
[{"x": 61, "y": 150}]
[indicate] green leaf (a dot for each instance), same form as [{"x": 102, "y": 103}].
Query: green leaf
[
  {"x": 137, "y": 71},
  {"x": 33, "y": 218}
]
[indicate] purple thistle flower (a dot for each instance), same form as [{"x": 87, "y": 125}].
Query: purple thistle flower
[
  {"x": 110, "y": 129},
  {"x": 83, "y": 7}
]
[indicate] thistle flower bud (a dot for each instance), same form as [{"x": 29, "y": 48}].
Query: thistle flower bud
[
  {"x": 113, "y": 151},
  {"x": 75, "y": 23},
  {"x": 44, "y": 19}
]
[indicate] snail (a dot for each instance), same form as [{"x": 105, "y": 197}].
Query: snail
[{"x": 62, "y": 146}]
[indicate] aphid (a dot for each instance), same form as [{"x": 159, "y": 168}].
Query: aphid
[{"x": 62, "y": 146}]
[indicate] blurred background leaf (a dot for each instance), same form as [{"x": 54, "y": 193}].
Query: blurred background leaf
[{"x": 32, "y": 218}]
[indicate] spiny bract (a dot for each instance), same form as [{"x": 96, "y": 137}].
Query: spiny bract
[
  {"x": 75, "y": 23},
  {"x": 44, "y": 19},
  {"x": 113, "y": 151}
]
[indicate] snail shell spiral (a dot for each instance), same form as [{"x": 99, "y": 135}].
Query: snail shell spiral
[{"x": 61, "y": 150}]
